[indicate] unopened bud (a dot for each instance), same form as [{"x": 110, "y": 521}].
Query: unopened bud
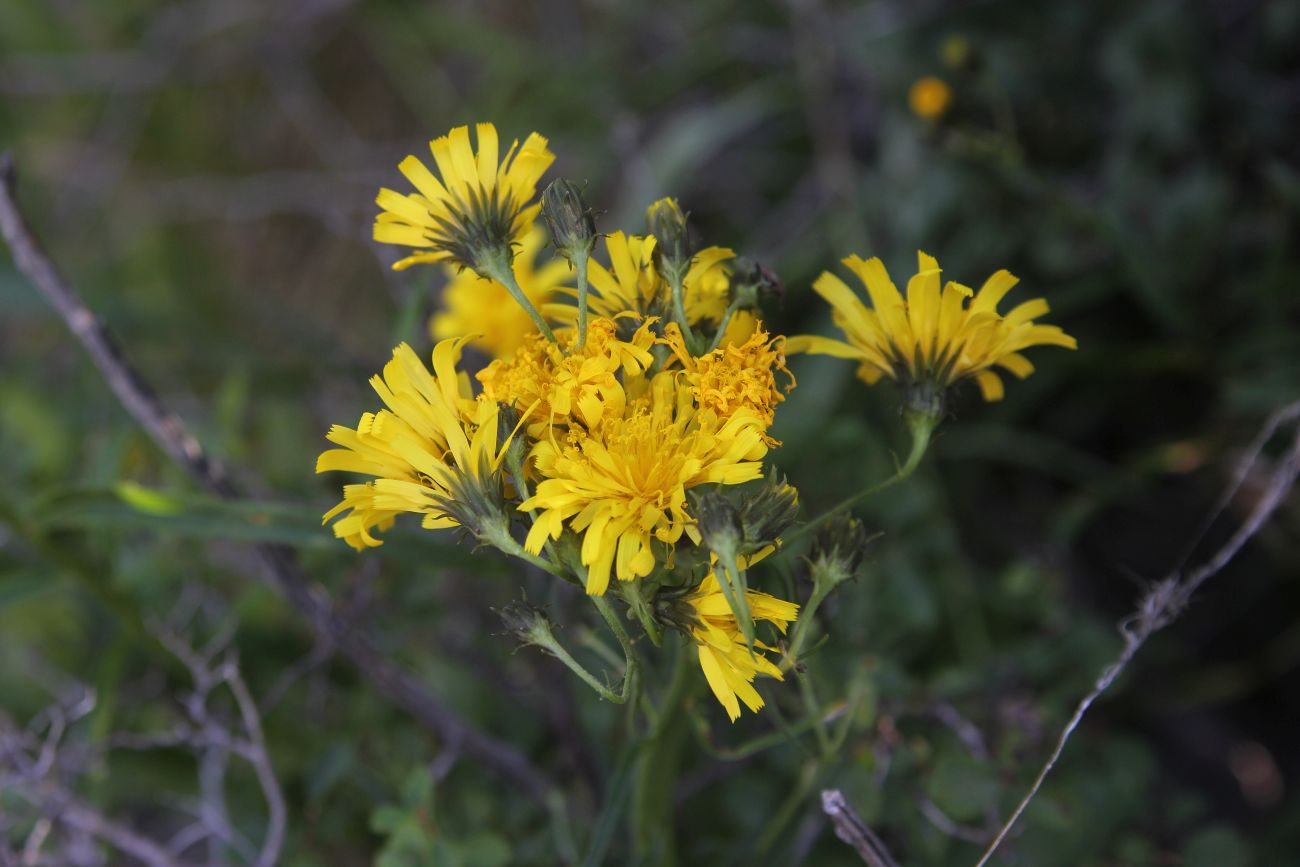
[
  {"x": 672, "y": 239},
  {"x": 767, "y": 512},
  {"x": 752, "y": 281},
  {"x": 507, "y": 424},
  {"x": 959, "y": 55},
  {"x": 572, "y": 224},
  {"x": 837, "y": 550},
  {"x": 720, "y": 524},
  {"x": 529, "y": 624}
]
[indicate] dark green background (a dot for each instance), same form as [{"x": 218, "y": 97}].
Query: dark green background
[{"x": 203, "y": 171}]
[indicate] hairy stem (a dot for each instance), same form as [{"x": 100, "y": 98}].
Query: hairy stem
[{"x": 498, "y": 266}]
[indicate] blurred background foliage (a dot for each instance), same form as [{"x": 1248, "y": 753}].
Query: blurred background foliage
[{"x": 204, "y": 173}]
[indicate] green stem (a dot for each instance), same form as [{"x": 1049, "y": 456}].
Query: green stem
[
  {"x": 652, "y": 800},
  {"x": 557, "y": 650},
  {"x": 921, "y": 426},
  {"x": 580, "y": 266},
  {"x": 500, "y": 538},
  {"x": 813, "y": 708},
  {"x": 731, "y": 579},
  {"x": 631, "y": 592},
  {"x": 722, "y": 326},
  {"x": 676, "y": 280},
  {"x": 498, "y": 266},
  {"x": 799, "y": 635}
]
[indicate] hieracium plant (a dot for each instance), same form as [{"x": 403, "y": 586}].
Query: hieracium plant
[{"x": 620, "y": 437}]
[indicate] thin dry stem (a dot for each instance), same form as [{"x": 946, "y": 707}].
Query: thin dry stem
[{"x": 1168, "y": 598}]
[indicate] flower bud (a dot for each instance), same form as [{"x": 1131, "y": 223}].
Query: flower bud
[
  {"x": 529, "y": 624},
  {"x": 673, "y": 249},
  {"x": 959, "y": 55},
  {"x": 837, "y": 551},
  {"x": 752, "y": 281},
  {"x": 766, "y": 513},
  {"x": 572, "y": 224},
  {"x": 507, "y": 432},
  {"x": 720, "y": 524}
]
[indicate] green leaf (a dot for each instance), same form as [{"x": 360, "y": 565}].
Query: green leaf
[
  {"x": 962, "y": 787},
  {"x": 1216, "y": 846},
  {"x": 148, "y": 500}
]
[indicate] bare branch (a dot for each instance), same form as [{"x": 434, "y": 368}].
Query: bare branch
[
  {"x": 170, "y": 433},
  {"x": 1168, "y": 598},
  {"x": 850, "y": 828}
]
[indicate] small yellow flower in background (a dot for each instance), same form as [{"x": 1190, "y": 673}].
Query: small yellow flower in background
[
  {"x": 932, "y": 339},
  {"x": 929, "y": 97},
  {"x": 483, "y": 308},
  {"x": 736, "y": 377},
  {"x": 728, "y": 665},
  {"x": 480, "y": 203},
  {"x": 625, "y": 483},
  {"x": 560, "y": 383},
  {"x": 433, "y": 451}
]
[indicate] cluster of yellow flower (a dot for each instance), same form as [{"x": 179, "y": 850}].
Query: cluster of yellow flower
[{"x": 624, "y": 398}]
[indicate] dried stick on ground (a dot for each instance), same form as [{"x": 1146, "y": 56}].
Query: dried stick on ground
[
  {"x": 850, "y": 828},
  {"x": 1167, "y": 599},
  {"x": 171, "y": 435}
]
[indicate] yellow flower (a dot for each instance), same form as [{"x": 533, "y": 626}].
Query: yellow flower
[
  {"x": 932, "y": 339},
  {"x": 736, "y": 377},
  {"x": 625, "y": 484},
  {"x": 929, "y": 97},
  {"x": 484, "y": 310},
  {"x": 632, "y": 284},
  {"x": 479, "y": 203},
  {"x": 560, "y": 383},
  {"x": 433, "y": 451},
  {"x": 728, "y": 665}
]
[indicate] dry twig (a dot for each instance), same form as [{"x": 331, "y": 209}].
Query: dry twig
[
  {"x": 850, "y": 828},
  {"x": 1168, "y": 598}
]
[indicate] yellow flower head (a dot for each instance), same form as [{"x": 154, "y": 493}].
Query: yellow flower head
[
  {"x": 432, "y": 451},
  {"x": 736, "y": 377},
  {"x": 484, "y": 310},
  {"x": 929, "y": 97},
  {"x": 480, "y": 203},
  {"x": 933, "y": 338},
  {"x": 561, "y": 383},
  {"x": 728, "y": 665},
  {"x": 632, "y": 284},
  {"x": 625, "y": 483}
]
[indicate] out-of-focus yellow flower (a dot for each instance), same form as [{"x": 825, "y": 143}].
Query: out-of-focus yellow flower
[
  {"x": 481, "y": 204},
  {"x": 932, "y": 339},
  {"x": 737, "y": 377},
  {"x": 724, "y": 656},
  {"x": 433, "y": 451},
  {"x": 624, "y": 484},
  {"x": 483, "y": 309},
  {"x": 929, "y": 97},
  {"x": 560, "y": 384}
]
